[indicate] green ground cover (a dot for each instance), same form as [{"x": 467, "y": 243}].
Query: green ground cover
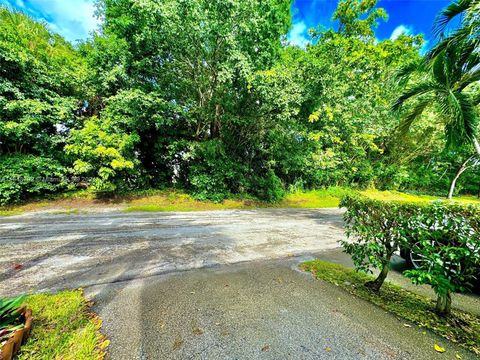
[
  {"x": 63, "y": 328},
  {"x": 176, "y": 200}
]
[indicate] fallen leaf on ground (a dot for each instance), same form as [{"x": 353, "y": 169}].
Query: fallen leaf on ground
[
  {"x": 439, "y": 349},
  {"x": 104, "y": 344},
  {"x": 458, "y": 356},
  {"x": 407, "y": 325},
  {"x": 328, "y": 349},
  {"x": 197, "y": 331},
  {"x": 17, "y": 266},
  {"x": 177, "y": 344}
]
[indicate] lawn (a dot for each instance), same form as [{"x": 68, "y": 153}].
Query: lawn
[
  {"x": 63, "y": 328},
  {"x": 461, "y": 327},
  {"x": 176, "y": 200}
]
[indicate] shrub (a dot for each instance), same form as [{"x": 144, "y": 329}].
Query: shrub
[
  {"x": 23, "y": 176},
  {"x": 444, "y": 235},
  {"x": 103, "y": 152},
  {"x": 446, "y": 238},
  {"x": 214, "y": 174},
  {"x": 269, "y": 187},
  {"x": 375, "y": 231}
]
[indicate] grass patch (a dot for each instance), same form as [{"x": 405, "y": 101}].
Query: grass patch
[
  {"x": 63, "y": 328},
  {"x": 12, "y": 212},
  {"x": 155, "y": 200},
  {"x": 400, "y": 196},
  {"x": 171, "y": 200},
  {"x": 323, "y": 198},
  {"x": 462, "y": 328}
]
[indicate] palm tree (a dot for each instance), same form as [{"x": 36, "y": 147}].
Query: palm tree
[
  {"x": 445, "y": 77},
  {"x": 442, "y": 84},
  {"x": 467, "y": 34}
]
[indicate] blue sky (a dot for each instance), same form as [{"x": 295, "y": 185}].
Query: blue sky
[
  {"x": 405, "y": 16},
  {"x": 74, "y": 19}
]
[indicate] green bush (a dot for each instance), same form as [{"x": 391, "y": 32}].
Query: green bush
[
  {"x": 214, "y": 174},
  {"x": 211, "y": 173},
  {"x": 444, "y": 235},
  {"x": 269, "y": 187},
  {"x": 375, "y": 230},
  {"x": 23, "y": 176},
  {"x": 446, "y": 238}
]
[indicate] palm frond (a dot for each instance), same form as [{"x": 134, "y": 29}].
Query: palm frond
[
  {"x": 404, "y": 72},
  {"x": 453, "y": 10},
  {"x": 462, "y": 121},
  {"x": 469, "y": 78},
  {"x": 461, "y": 37},
  {"x": 440, "y": 70},
  {"x": 408, "y": 120},
  {"x": 413, "y": 92}
]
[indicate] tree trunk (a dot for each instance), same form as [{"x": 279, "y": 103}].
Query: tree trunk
[
  {"x": 457, "y": 175},
  {"x": 444, "y": 304},
  {"x": 376, "y": 284},
  {"x": 476, "y": 144}
]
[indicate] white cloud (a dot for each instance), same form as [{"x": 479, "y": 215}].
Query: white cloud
[
  {"x": 298, "y": 35},
  {"x": 401, "y": 30},
  {"x": 73, "y": 19}
]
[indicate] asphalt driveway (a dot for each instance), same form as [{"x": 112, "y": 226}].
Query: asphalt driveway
[
  {"x": 258, "y": 310},
  {"x": 48, "y": 252},
  {"x": 209, "y": 285}
]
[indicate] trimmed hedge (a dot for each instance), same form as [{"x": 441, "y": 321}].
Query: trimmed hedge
[{"x": 445, "y": 235}]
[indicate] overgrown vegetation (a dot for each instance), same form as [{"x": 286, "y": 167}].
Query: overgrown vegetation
[
  {"x": 208, "y": 97},
  {"x": 461, "y": 327},
  {"x": 443, "y": 235},
  {"x": 64, "y": 328}
]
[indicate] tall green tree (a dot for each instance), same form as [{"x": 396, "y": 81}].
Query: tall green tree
[
  {"x": 358, "y": 18},
  {"x": 40, "y": 75},
  {"x": 40, "y": 100},
  {"x": 184, "y": 79},
  {"x": 348, "y": 94},
  {"x": 447, "y": 80}
]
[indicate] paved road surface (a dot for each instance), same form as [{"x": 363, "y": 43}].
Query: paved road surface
[
  {"x": 209, "y": 285},
  {"x": 42, "y": 252},
  {"x": 248, "y": 311}
]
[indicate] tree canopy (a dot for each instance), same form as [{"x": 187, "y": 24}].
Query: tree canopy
[{"x": 209, "y": 96}]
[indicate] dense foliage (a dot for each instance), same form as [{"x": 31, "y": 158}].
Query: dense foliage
[
  {"x": 40, "y": 77},
  {"x": 375, "y": 231},
  {"x": 444, "y": 236},
  {"x": 209, "y": 96}
]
